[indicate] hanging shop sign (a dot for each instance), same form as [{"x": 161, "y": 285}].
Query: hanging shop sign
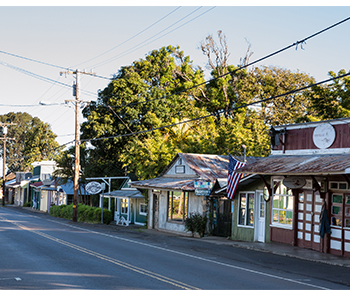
[
  {"x": 202, "y": 187},
  {"x": 93, "y": 187},
  {"x": 294, "y": 182}
]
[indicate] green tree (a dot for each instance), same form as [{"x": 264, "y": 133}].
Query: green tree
[
  {"x": 66, "y": 166},
  {"x": 330, "y": 101},
  {"x": 34, "y": 141},
  {"x": 224, "y": 91},
  {"x": 274, "y": 81},
  {"x": 135, "y": 101}
]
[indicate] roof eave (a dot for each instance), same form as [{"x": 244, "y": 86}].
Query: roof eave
[{"x": 346, "y": 171}]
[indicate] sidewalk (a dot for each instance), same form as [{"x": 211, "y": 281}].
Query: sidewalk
[
  {"x": 283, "y": 250},
  {"x": 274, "y": 248}
]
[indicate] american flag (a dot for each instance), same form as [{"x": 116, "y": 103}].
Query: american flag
[{"x": 233, "y": 177}]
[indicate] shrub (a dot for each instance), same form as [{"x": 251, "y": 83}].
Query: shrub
[
  {"x": 196, "y": 223},
  {"x": 107, "y": 215},
  {"x": 85, "y": 213},
  {"x": 55, "y": 211},
  {"x": 26, "y": 204}
]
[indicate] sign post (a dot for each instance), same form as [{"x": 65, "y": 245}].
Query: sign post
[{"x": 93, "y": 187}]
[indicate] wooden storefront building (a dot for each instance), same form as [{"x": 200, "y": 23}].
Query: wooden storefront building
[{"x": 308, "y": 180}]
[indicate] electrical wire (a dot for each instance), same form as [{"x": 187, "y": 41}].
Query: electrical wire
[
  {"x": 33, "y": 60},
  {"x": 130, "y": 37},
  {"x": 191, "y": 120},
  {"x": 223, "y": 111},
  {"x": 241, "y": 67},
  {"x": 38, "y": 105},
  {"x": 138, "y": 46},
  {"x": 42, "y": 78}
]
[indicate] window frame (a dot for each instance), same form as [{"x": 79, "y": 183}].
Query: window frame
[
  {"x": 170, "y": 206},
  {"x": 141, "y": 212},
  {"x": 247, "y": 209},
  {"x": 124, "y": 206},
  {"x": 284, "y": 194}
]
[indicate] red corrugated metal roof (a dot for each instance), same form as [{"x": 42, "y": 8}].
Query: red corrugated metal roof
[
  {"x": 36, "y": 184},
  {"x": 300, "y": 164}
]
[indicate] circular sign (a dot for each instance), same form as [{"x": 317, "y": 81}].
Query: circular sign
[
  {"x": 294, "y": 182},
  {"x": 266, "y": 194},
  {"x": 324, "y": 135},
  {"x": 93, "y": 187}
]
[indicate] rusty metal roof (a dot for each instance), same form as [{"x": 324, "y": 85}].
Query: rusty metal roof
[
  {"x": 300, "y": 164},
  {"x": 209, "y": 167},
  {"x": 165, "y": 183}
]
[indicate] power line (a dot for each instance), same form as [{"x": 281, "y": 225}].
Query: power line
[
  {"x": 41, "y": 77},
  {"x": 129, "y": 38},
  {"x": 33, "y": 60},
  {"x": 136, "y": 47},
  {"x": 223, "y": 111},
  {"x": 45, "y": 63},
  {"x": 303, "y": 41},
  {"x": 191, "y": 120}
]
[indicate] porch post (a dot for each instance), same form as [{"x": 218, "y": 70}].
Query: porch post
[
  {"x": 129, "y": 211},
  {"x": 295, "y": 216}
]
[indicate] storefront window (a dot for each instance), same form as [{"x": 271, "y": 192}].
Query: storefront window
[
  {"x": 124, "y": 206},
  {"x": 282, "y": 205},
  {"x": 337, "y": 210},
  {"x": 347, "y": 211},
  {"x": 143, "y": 209},
  {"x": 177, "y": 205},
  {"x": 246, "y": 209}
]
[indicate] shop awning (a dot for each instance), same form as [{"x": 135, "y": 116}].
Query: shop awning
[
  {"x": 13, "y": 185},
  {"x": 166, "y": 184},
  {"x": 124, "y": 193},
  {"x": 300, "y": 165}
]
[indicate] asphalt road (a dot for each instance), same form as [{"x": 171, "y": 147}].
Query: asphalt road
[{"x": 38, "y": 251}]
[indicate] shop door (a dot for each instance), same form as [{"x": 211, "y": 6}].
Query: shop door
[
  {"x": 346, "y": 227},
  {"x": 222, "y": 218},
  {"x": 309, "y": 210},
  {"x": 260, "y": 225},
  {"x": 155, "y": 212},
  {"x": 340, "y": 224}
]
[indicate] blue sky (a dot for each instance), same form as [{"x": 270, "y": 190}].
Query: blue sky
[{"x": 69, "y": 36}]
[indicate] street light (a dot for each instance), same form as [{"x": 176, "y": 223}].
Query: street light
[{"x": 4, "y": 131}]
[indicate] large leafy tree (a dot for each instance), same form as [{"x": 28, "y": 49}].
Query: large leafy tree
[
  {"x": 330, "y": 101},
  {"x": 34, "y": 141},
  {"x": 164, "y": 96},
  {"x": 276, "y": 82},
  {"x": 143, "y": 96}
]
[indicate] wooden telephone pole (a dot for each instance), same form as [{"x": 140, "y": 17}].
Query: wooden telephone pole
[
  {"x": 4, "y": 128},
  {"x": 77, "y": 140}
]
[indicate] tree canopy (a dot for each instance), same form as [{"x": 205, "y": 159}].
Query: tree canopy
[
  {"x": 34, "y": 141},
  {"x": 161, "y": 105}
]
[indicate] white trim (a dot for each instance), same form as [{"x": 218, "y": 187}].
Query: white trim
[
  {"x": 238, "y": 211},
  {"x": 142, "y": 213},
  {"x": 311, "y": 151},
  {"x": 314, "y": 124},
  {"x": 139, "y": 224},
  {"x": 281, "y": 226},
  {"x": 259, "y": 194},
  {"x": 277, "y": 224}
]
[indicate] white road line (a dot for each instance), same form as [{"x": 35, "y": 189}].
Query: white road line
[
  {"x": 11, "y": 278},
  {"x": 194, "y": 257}
]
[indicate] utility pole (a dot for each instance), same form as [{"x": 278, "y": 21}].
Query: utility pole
[
  {"x": 4, "y": 130},
  {"x": 77, "y": 140}
]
